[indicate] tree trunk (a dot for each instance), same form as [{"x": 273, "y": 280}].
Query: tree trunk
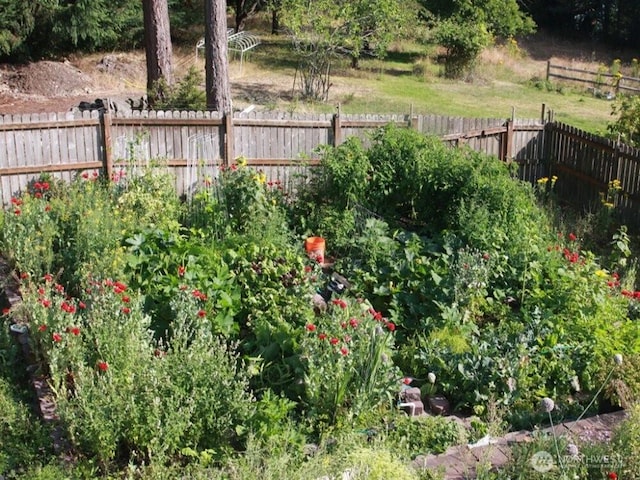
[
  {"x": 275, "y": 20},
  {"x": 216, "y": 58},
  {"x": 157, "y": 40}
]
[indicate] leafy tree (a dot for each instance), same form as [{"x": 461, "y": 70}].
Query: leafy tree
[
  {"x": 322, "y": 29},
  {"x": 245, "y": 9},
  {"x": 16, "y": 23},
  {"x": 465, "y": 28}
]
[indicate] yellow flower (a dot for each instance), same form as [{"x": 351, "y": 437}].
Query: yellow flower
[
  {"x": 241, "y": 161},
  {"x": 543, "y": 180},
  {"x": 602, "y": 274}
]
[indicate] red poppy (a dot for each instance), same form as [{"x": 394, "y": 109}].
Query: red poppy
[
  {"x": 41, "y": 291},
  {"x": 612, "y": 475},
  {"x": 103, "y": 366},
  {"x": 126, "y": 299},
  {"x": 85, "y": 175},
  {"x": 82, "y": 305},
  {"x": 56, "y": 337},
  {"x": 16, "y": 201},
  {"x": 44, "y": 186},
  {"x": 322, "y": 336},
  {"x": 334, "y": 341},
  {"x": 376, "y": 315},
  {"x": 391, "y": 326},
  {"x": 341, "y": 303},
  {"x": 353, "y": 322},
  {"x": 202, "y": 313},
  {"x": 37, "y": 195},
  {"x": 181, "y": 271},
  {"x": 344, "y": 351},
  {"x": 59, "y": 288},
  {"x": 42, "y": 328},
  {"x": 572, "y": 237},
  {"x": 311, "y": 327},
  {"x": 75, "y": 331},
  {"x": 46, "y": 303},
  {"x": 126, "y": 310},
  {"x": 17, "y": 211}
]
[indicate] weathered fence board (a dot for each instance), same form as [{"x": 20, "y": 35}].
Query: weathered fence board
[{"x": 194, "y": 145}]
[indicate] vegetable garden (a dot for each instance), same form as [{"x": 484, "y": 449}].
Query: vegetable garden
[{"x": 186, "y": 339}]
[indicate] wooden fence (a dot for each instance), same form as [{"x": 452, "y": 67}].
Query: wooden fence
[
  {"x": 585, "y": 164},
  {"x": 193, "y": 145},
  {"x": 601, "y": 82}
]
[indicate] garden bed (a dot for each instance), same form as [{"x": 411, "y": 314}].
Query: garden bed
[{"x": 200, "y": 337}]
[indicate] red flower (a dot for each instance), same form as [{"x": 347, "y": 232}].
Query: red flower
[
  {"x": 181, "y": 271},
  {"x": 44, "y": 186},
  {"x": 37, "y": 195},
  {"x": 353, "y": 322},
  {"x": 572, "y": 237},
  {"x": 85, "y": 175},
  {"x": 343, "y": 324},
  {"x": 126, "y": 299},
  {"x": 376, "y": 315},
  {"x": 41, "y": 291},
  {"x": 56, "y": 337},
  {"x": 59, "y": 288},
  {"x": 344, "y": 351},
  {"x": 42, "y": 328},
  {"x": 334, "y": 341},
  {"x": 46, "y": 303},
  {"x": 341, "y": 303},
  {"x": 307, "y": 268},
  {"x": 82, "y": 305},
  {"x": 322, "y": 336},
  {"x": 74, "y": 330},
  {"x": 5, "y": 311},
  {"x": 391, "y": 326},
  {"x": 202, "y": 313},
  {"x": 16, "y": 201},
  {"x": 311, "y": 327},
  {"x": 199, "y": 295},
  {"x": 126, "y": 310},
  {"x": 47, "y": 208},
  {"x": 67, "y": 307},
  {"x": 612, "y": 475},
  {"x": 103, "y": 366},
  {"x": 17, "y": 211},
  {"x": 407, "y": 380}
]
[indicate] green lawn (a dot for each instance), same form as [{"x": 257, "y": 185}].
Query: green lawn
[{"x": 409, "y": 78}]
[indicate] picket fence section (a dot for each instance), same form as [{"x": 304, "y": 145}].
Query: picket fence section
[
  {"x": 585, "y": 164},
  {"x": 193, "y": 146}
]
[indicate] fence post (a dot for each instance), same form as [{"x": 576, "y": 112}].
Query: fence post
[
  {"x": 548, "y": 69},
  {"x": 337, "y": 128},
  {"x": 507, "y": 146},
  {"x": 107, "y": 157},
  {"x": 228, "y": 139}
]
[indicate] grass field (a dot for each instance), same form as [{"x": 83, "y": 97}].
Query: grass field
[{"x": 508, "y": 81}]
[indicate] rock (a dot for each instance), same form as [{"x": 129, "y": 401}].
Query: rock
[
  {"x": 439, "y": 405},
  {"x": 319, "y": 304},
  {"x": 411, "y": 394},
  {"x": 411, "y": 401}
]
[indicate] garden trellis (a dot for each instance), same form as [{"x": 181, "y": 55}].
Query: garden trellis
[{"x": 238, "y": 43}]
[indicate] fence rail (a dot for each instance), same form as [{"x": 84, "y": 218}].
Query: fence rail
[
  {"x": 193, "y": 145},
  {"x": 598, "y": 80}
]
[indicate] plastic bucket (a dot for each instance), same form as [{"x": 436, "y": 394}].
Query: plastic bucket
[{"x": 315, "y": 248}]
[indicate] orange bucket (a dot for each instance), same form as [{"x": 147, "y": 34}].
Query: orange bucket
[{"x": 315, "y": 248}]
